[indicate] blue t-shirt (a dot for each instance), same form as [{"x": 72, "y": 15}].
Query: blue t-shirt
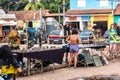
[{"x": 31, "y": 32}]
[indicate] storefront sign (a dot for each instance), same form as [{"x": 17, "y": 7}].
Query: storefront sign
[
  {"x": 100, "y": 18},
  {"x": 72, "y": 18},
  {"x": 85, "y": 18}
]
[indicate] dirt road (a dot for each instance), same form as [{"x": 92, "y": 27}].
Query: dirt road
[{"x": 113, "y": 68}]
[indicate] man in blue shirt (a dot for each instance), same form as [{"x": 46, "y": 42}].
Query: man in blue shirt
[{"x": 31, "y": 34}]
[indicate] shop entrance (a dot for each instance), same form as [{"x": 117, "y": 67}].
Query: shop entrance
[
  {"x": 6, "y": 29},
  {"x": 74, "y": 25},
  {"x": 101, "y": 25}
]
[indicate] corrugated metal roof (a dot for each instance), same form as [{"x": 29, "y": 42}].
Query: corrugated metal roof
[
  {"x": 32, "y": 15},
  {"x": 90, "y": 11}
]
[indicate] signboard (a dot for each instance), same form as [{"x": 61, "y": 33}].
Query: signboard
[
  {"x": 85, "y": 18},
  {"x": 100, "y": 18},
  {"x": 72, "y": 18}
]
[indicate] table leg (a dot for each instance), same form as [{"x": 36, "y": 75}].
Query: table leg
[
  {"x": 14, "y": 76},
  {"x": 28, "y": 66},
  {"x": 41, "y": 66},
  {"x": 53, "y": 67}
]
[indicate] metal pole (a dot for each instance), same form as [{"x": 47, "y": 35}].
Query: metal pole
[
  {"x": 63, "y": 12},
  {"x": 59, "y": 12},
  {"x": 112, "y": 6},
  {"x": 40, "y": 26}
]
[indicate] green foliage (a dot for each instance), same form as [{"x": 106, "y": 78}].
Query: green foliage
[
  {"x": 51, "y": 5},
  {"x": 33, "y": 5}
]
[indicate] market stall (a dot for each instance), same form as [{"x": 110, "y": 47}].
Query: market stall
[
  {"x": 51, "y": 55},
  {"x": 5, "y": 27}
]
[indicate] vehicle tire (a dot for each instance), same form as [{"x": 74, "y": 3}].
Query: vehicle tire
[
  {"x": 46, "y": 40},
  {"x": 50, "y": 42}
]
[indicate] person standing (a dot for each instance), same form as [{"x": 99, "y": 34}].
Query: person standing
[
  {"x": 38, "y": 37},
  {"x": 91, "y": 39},
  {"x": 7, "y": 58},
  {"x": 66, "y": 31},
  {"x": 73, "y": 40},
  {"x": 117, "y": 28},
  {"x": 113, "y": 44},
  {"x": 31, "y": 34},
  {"x": 14, "y": 38}
]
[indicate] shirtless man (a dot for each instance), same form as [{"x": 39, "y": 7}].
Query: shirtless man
[{"x": 73, "y": 40}]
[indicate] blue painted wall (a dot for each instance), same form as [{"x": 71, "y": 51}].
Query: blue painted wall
[
  {"x": 116, "y": 18},
  {"x": 91, "y": 4}
]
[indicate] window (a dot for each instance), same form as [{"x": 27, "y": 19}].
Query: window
[
  {"x": 103, "y": 3},
  {"x": 81, "y": 3}
]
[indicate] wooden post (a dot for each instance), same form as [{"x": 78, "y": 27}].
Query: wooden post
[{"x": 27, "y": 36}]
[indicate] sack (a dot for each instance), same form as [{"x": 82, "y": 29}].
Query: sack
[
  {"x": 8, "y": 69},
  {"x": 81, "y": 57}
]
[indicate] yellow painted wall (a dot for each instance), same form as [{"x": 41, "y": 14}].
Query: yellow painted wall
[
  {"x": 110, "y": 21},
  {"x": 92, "y": 19}
]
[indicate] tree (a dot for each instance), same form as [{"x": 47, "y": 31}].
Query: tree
[
  {"x": 52, "y": 5},
  {"x": 33, "y": 5}
]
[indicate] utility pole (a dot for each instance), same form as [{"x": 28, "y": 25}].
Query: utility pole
[
  {"x": 59, "y": 12},
  {"x": 112, "y": 6},
  {"x": 63, "y": 12},
  {"x": 40, "y": 26}
]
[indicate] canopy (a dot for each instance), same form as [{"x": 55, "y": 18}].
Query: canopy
[{"x": 5, "y": 23}]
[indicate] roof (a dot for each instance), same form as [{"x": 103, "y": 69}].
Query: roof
[
  {"x": 27, "y": 15},
  {"x": 2, "y": 11},
  {"x": 90, "y": 11},
  {"x": 6, "y": 16},
  {"x": 52, "y": 15},
  {"x": 117, "y": 10},
  {"x": 32, "y": 14}
]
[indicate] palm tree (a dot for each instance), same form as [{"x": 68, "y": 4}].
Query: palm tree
[{"x": 33, "y": 5}]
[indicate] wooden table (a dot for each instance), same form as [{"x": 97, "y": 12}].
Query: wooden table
[{"x": 54, "y": 56}]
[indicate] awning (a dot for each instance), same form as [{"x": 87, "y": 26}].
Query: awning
[{"x": 5, "y": 23}]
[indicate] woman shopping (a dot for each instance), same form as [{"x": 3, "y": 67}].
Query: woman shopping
[{"x": 113, "y": 42}]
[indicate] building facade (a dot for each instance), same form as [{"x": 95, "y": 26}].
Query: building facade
[
  {"x": 92, "y": 4},
  {"x": 87, "y": 13},
  {"x": 117, "y": 15}
]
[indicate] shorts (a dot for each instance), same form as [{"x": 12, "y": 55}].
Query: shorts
[{"x": 74, "y": 48}]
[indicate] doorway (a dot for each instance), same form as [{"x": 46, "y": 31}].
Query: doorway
[
  {"x": 74, "y": 25},
  {"x": 102, "y": 25}
]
